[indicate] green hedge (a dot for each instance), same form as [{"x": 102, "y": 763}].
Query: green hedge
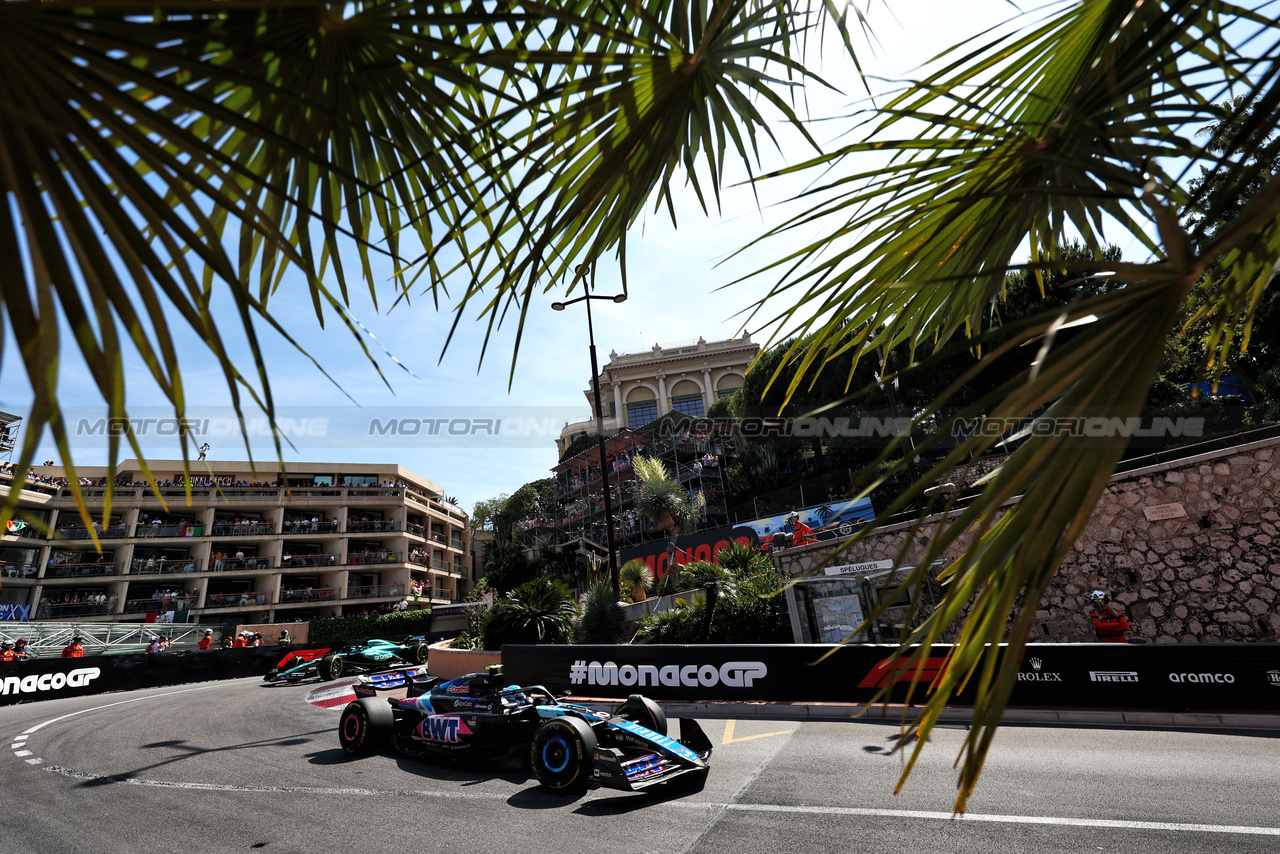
[{"x": 385, "y": 626}]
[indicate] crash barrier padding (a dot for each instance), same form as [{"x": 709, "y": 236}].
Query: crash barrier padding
[
  {"x": 54, "y": 678},
  {"x": 1172, "y": 677}
]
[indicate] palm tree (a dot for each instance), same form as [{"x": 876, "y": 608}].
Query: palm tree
[
  {"x": 664, "y": 503},
  {"x": 140, "y": 143},
  {"x": 538, "y": 611},
  {"x": 635, "y": 577}
]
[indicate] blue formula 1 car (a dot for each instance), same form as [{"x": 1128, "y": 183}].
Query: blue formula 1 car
[
  {"x": 366, "y": 656},
  {"x": 477, "y": 719}
]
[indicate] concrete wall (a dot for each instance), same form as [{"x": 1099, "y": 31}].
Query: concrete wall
[{"x": 1210, "y": 573}]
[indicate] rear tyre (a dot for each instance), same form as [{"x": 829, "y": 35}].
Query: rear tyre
[
  {"x": 562, "y": 753},
  {"x": 419, "y": 653},
  {"x": 330, "y": 668},
  {"x": 366, "y": 726},
  {"x": 645, "y": 712}
]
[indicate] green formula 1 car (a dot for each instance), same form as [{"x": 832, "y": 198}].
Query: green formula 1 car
[{"x": 366, "y": 656}]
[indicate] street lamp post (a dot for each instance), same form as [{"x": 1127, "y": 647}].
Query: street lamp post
[{"x": 581, "y": 270}]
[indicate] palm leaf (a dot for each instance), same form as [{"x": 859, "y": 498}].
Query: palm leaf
[{"x": 1067, "y": 124}]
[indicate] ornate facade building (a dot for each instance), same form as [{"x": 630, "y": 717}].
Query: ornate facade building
[{"x": 636, "y": 388}]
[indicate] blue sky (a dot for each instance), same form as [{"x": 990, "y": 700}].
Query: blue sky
[{"x": 676, "y": 277}]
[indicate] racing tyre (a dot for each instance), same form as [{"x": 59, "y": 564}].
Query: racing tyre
[
  {"x": 562, "y": 753},
  {"x": 365, "y": 726},
  {"x": 645, "y": 712},
  {"x": 419, "y": 653},
  {"x": 330, "y": 668}
]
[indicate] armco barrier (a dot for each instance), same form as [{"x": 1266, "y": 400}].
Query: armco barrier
[
  {"x": 54, "y": 678},
  {"x": 1063, "y": 676}
]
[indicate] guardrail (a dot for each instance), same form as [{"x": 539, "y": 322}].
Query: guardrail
[
  {"x": 80, "y": 570},
  {"x": 307, "y": 594},
  {"x": 148, "y": 532},
  {"x": 316, "y": 561},
  {"x": 237, "y": 529},
  {"x": 362, "y": 558},
  {"x": 374, "y": 526},
  {"x": 82, "y": 533},
  {"x": 148, "y": 566},
  {"x": 377, "y": 590}
]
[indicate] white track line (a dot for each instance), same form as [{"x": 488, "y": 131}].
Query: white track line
[{"x": 1113, "y": 824}]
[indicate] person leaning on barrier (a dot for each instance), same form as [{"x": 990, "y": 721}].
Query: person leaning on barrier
[
  {"x": 1110, "y": 625},
  {"x": 284, "y": 639},
  {"x": 20, "y": 651},
  {"x": 6, "y": 652},
  {"x": 207, "y": 640},
  {"x": 75, "y": 649}
]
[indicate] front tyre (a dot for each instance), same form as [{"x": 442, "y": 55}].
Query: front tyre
[
  {"x": 561, "y": 755},
  {"x": 365, "y": 726},
  {"x": 419, "y": 653},
  {"x": 645, "y": 712},
  {"x": 330, "y": 668}
]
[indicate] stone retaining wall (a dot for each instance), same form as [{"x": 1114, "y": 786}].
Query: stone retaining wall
[{"x": 1208, "y": 573}]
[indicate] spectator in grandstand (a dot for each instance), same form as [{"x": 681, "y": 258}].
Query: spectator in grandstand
[{"x": 75, "y": 649}]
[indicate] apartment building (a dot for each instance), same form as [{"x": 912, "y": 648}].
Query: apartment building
[{"x": 241, "y": 545}]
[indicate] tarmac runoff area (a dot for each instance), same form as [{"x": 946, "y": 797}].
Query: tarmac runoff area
[{"x": 339, "y": 694}]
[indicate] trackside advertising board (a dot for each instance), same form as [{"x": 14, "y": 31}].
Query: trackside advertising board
[
  {"x": 54, "y": 678},
  {"x": 1223, "y": 677}
]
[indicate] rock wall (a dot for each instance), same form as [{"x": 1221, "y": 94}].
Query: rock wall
[{"x": 1190, "y": 549}]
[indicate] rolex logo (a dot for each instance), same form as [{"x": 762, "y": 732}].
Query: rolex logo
[{"x": 1035, "y": 664}]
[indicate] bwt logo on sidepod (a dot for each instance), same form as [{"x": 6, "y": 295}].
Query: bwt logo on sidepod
[
  {"x": 731, "y": 674},
  {"x": 77, "y": 678}
]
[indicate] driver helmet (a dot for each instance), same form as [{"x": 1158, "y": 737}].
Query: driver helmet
[{"x": 1098, "y": 596}]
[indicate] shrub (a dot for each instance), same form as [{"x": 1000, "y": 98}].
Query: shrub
[
  {"x": 755, "y": 612},
  {"x": 389, "y": 626},
  {"x": 743, "y": 561},
  {"x": 603, "y": 620},
  {"x": 538, "y": 611},
  {"x": 676, "y": 625}
]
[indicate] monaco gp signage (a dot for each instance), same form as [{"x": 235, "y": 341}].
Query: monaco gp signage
[{"x": 1221, "y": 677}]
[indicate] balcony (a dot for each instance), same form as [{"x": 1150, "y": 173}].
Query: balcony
[
  {"x": 68, "y": 610},
  {"x": 320, "y": 561},
  {"x": 249, "y": 599},
  {"x": 240, "y": 529},
  {"x": 373, "y": 526},
  {"x": 157, "y": 531},
  {"x": 151, "y": 566},
  {"x": 80, "y": 570},
  {"x": 418, "y": 530},
  {"x": 81, "y": 533},
  {"x": 308, "y": 526},
  {"x": 250, "y": 564},
  {"x": 171, "y": 603},
  {"x": 362, "y": 558},
  {"x": 375, "y": 591},
  {"x": 301, "y": 595}
]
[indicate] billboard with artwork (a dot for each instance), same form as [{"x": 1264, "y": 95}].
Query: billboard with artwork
[{"x": 825, "y": 522}]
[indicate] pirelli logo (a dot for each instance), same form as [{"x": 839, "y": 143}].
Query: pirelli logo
[
  {"x": 924, "y": 672},
  {"x": 1113, "y": 676}
]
